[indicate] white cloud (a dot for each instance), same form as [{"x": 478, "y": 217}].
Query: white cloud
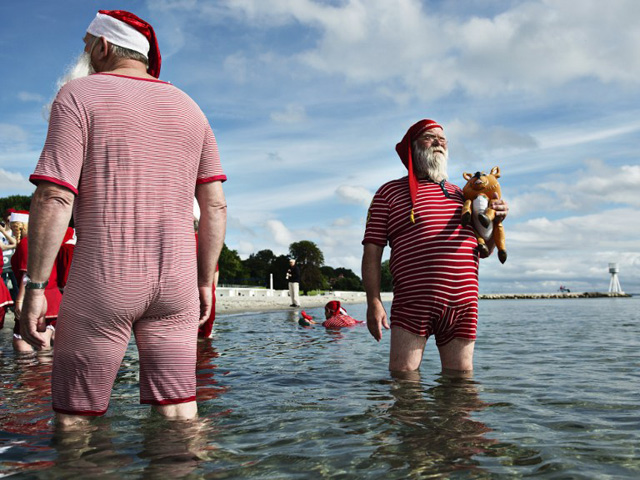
[
  {"x": 14, "y": 183},
  {"x": 30, "y": 97},
  {"x": 12, "y": 135},
  {"x": 354, "y": 194},
  {"x": 291, "y": 114},
  {"x": 280, "y": 233},
  {"x": 530, "y": 46}
]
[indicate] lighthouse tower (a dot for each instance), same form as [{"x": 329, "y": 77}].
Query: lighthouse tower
[{"x": 614, "y": 285}]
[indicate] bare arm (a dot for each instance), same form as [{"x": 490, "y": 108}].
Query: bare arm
[
  {"x": 371, "y": 274},
  {"x": 211, "y": 231},
  {"x": 51, "y": 208},
  {"x": 12, "y": 241}
]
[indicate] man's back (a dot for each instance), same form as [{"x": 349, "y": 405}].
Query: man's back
[{"x": 133, "y": 150}]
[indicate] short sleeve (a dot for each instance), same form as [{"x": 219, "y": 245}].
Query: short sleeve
[
  {"x": 376, "y": 230},
  {"x": 210, "y": 169},
  {"x": 62, "y": 157}
]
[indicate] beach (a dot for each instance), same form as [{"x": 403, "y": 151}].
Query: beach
[{"x": 237, "y": 300}]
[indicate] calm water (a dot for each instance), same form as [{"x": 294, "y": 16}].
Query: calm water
[{"x": 555, "y": 394}]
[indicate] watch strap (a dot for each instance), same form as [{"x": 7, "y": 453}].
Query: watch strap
[{"x": 29, "y": 285}]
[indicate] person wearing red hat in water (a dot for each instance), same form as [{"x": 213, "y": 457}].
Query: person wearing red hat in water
[
  {"x": 337, "y": 317},
  {"x": 126, "y": 152},
  {"x": 434, "y": 261}
]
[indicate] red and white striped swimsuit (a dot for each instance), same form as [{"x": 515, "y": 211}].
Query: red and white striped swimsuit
[
  {"x": 433, "y": 262},
  {"x": 133, "y": 151}
]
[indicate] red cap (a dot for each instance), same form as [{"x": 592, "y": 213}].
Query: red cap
[
  {"x": 119, "y": 27},
  {"x": 404, "y": 152},
  {"x": 333, "y": 306}
]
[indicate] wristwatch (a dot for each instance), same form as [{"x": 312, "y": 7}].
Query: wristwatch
[{"x": 29, "y": 285}]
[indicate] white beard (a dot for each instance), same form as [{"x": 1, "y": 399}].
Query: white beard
[
  {"x": 81, "y": 68},
  {"x": 431, "y": 163}
]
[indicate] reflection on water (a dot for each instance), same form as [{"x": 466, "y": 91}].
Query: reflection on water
[
  {"x": 430, "y": 427},
  {"x": 277, "y": 400}
]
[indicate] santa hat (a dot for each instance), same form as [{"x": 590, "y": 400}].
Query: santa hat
[
  {"x": 334, "y": 307},
  {"x": 126, "y": 30},
  {"x": 19, "y": 216},
  {"x": 404, "y": 152}
]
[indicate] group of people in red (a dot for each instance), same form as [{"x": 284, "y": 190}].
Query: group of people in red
[{"x": 54, "y": 286}]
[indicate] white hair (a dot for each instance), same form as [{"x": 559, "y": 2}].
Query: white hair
[
  {"x": 430, "y": 163},
  {"x": 80, "y": 68}
]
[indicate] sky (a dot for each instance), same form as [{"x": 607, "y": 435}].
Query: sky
[{"x": 307, "y": 99}]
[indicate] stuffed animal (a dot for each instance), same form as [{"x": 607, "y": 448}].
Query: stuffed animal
[{"x": 478, "y": 192}]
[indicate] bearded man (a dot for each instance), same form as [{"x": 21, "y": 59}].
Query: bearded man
[
  {"x": 127, "y": 152},
  {"x": 434, "y": 260}
]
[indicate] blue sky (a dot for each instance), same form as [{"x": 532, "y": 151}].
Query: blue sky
[{"x": 308, "y": 99}]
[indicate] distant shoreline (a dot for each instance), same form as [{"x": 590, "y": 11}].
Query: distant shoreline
[{"x": 518, "y": 296}]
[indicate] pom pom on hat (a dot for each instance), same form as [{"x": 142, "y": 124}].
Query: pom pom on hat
[{"x": 126, "y": 30}]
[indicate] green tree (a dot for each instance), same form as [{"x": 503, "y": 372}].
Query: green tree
[
  {"x": 311, "y": 278},
  {"x": 17, "y": 202},
  {"x": 232, "y": 271},
  {"x": 306, "y": 253},
  {"x": 347, "y": 280},
  {"x": 260, "y": 265},
  {"x": 386, "y": 279},
  {"x": 309, "y": 258}
]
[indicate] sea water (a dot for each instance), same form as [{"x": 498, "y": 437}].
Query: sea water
[{"x": 555, "y": 394}]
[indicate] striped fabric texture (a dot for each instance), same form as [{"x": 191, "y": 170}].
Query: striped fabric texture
[
  {"x": 340, "y": 320},
  {"x": 433, "y": 262},
  {"x": 133, "y": 151}
]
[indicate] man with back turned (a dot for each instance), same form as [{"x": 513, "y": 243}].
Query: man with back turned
[
  {"x": 434, "y": 261},
  {"x": 127, "y": 152}
]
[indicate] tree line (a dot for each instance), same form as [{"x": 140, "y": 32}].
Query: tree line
[{"x": 314, "y": 274}]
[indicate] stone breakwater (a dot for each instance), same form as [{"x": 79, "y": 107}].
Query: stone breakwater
[{"x": 517, "y": 296}]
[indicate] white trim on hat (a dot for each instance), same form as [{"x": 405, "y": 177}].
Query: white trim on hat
[
  {"x": 119, "y": 33},
  {"x": 196, "y": 209},
  {"x": 19, "y": 217}
]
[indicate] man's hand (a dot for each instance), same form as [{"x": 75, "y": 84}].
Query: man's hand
[
  {"x": 206, "y": 303},
  {"x": 32, "y": 319},
  {"x": 376, "y": 319},
  {"x": 500, "y": 206}
]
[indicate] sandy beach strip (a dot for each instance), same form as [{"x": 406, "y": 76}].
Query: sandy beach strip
[{"x": 249, "y": 300}]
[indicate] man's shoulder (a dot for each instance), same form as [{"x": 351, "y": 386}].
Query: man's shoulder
[{"x": 398, "y": 184}]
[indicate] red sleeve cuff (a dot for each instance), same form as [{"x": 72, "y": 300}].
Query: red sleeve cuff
[
  {"x": 35, "y": 179},
  {"x": 217, "y": 178}
]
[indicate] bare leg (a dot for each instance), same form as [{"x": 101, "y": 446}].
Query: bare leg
[
  {"x": 179, "y": 411},
  {"x": 71, "y": 422},
  {"x": 457, "y": 355},
  {"x": 406, "y": 350}
]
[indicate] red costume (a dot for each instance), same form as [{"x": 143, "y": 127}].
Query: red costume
[
  {"x": 51, "y": 292},
  {"x": 339, "y": 317},
  {"x": 5, "y": 297},
  {"x": 434, "y": 262}
]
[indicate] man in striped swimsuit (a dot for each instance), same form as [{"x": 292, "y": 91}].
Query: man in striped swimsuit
[
  {"x": 127, "y": 152},
  {"x": 434, "y": 262}
]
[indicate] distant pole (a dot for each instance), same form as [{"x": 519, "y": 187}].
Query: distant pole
[
  {"x": 271, "y": 281},
  {"x": 614, "y": 285}
]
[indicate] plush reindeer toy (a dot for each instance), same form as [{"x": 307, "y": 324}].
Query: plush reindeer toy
[{"x": 478, "y": 192}]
